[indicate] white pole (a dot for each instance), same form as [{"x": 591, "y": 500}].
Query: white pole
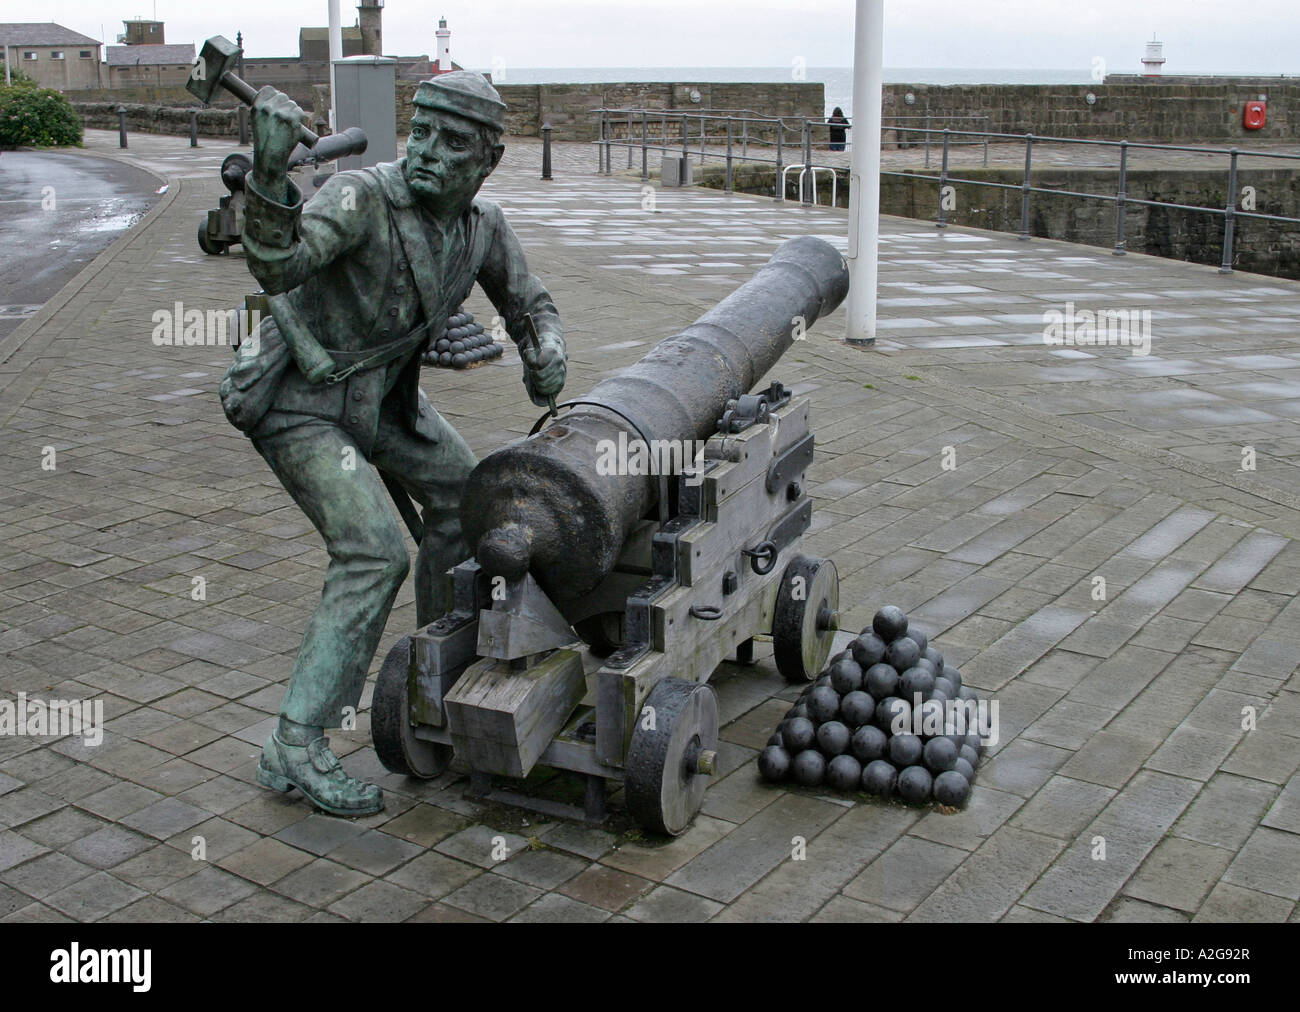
[
  {"x": 336, "y": 50},
  {"x": 7, "y": 63},
  {"x": 864, "y": 171}
]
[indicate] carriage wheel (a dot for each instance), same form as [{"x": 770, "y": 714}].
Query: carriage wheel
[
  {"x": 672, "y": 756},
  {"x": 390, "y": 723},
  {"x": 806, "y": 617}
]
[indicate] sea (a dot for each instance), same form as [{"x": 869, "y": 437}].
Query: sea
[{"x": 838, "y": 81}]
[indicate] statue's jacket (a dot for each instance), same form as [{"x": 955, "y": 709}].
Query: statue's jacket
[{"x": 359, "y": 267}]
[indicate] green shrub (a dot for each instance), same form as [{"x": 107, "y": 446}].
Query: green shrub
[{"x": 39, "y": 117}]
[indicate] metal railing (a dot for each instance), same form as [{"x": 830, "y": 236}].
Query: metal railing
[
  {"x": 1121, "y": 199},
  {"x": 689, "y": 133},
  {"x": 930, "y": 122}
]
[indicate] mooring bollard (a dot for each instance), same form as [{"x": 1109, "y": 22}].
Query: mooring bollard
[
  {"x": 546, "y": 151},
  {"x": 121, "y": 126},
  {"x": 194, "y": 128},
  {"x": 243, "y": 124}
]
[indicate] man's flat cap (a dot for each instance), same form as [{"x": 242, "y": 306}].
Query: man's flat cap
[{"x": 463, "y": 93}]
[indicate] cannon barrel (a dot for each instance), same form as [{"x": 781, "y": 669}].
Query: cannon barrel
[{"x": 542, "y": 505}]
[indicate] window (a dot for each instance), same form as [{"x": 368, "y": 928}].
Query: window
[
  {"x": 86, "y": 54},
  {"x": 28, "y": 55},
  {"x": 56, "y": 54}
]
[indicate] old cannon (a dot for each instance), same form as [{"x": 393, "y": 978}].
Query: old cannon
[
  {"x": 614, "y": 568},
  {"x": 223, "y": 226}
]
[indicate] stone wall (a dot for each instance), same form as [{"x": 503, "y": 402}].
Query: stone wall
[
  {"x": 570, "y": 108},
  {"x": 1166, "y": 111},
  {"x": 159, "y": 119}
]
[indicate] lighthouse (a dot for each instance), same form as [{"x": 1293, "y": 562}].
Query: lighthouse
[
  {"x": 1153, "y": 61},
  {"x": 443, "y": 64}
]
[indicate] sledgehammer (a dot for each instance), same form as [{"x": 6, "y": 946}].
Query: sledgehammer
[{"x": 213, "y": 69}]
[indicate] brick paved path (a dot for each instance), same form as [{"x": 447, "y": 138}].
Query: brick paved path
[{"x": 1121, "y": 718}]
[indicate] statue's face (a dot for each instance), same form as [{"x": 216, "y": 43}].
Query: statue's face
[{"x": 447, "y": 159}]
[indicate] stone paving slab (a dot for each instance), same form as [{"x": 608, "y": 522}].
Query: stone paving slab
[{"x": 1124, "y": 716}]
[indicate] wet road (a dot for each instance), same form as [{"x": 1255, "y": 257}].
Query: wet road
[{"x": 58, "y": 212}]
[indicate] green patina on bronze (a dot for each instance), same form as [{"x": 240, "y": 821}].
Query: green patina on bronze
[{"x": 360, "y": 280}]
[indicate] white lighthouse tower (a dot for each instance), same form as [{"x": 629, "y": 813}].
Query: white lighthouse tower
[
  {"x": 1153, "y": 61},
  {"x": 443, "y": 65}
]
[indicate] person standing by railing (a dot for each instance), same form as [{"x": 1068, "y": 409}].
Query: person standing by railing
[{"x": 837, "y": 131}]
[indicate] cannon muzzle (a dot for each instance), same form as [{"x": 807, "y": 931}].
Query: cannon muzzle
[{"x": 543, "y": 504}]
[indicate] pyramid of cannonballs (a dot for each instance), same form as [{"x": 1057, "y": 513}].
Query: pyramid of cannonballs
[
  {"x": 858, "y": 726},
  {"x": 465, "y": 344}
]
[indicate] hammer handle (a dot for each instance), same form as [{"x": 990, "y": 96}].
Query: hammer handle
[{"x": 247, "y": 94}]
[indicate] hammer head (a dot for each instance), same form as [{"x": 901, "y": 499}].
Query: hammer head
[{"x": 217, "y": 56}]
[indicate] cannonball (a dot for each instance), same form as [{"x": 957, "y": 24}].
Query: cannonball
[
  {"x": 919, "y": 638},
  {"x": 798, "y": 734},
  {"x": 974, "y": 741},
  {"x": 878, "y": 778},
  {"x": 799, "y": 709},
  {"x": 838, "y": 657},
  {"x": 925, "y": 665},
  {"x": 459, "y": 360},
  {"x": 823, "y": 679},
  {"x": 934, "y": 657},
  {"x": 846, "y": 676},
  {"x": 442, "y": 345},
  {"x": 951, "y": 788},
  {"x": 844, "y": 773},
  {"x": 776, "y": 739},
  {"x": 774, "y": 763},
  {"x": 940, "y": 754},
  {"x": 457, "y": 347},
  {"x": 965, "y": 768},
  {"x": 915, "y": 784},
  {"x": 889, "y": 623},
  {"x": 823, "y": 704},
  {"x": 938, "y": 695},
  {"x": 966, "y": 692},
  {"x": 891, "y": 713},
  {"x": 881, "y": 680},
  {"x": 444, "y": 358},
  {"x": 857, "y": 708},
  {"x": 968, "y": 755},
  {"x": 868, "y": 649},
  {"x": 914, "y": 681},
  {"x": 832, "y": 738},
  {"x": 868, "y": 743},
  {"x": 905, "y": 750},
  {"x": 945, "y": 686},
  {"x": 903, "y": 653},
  {"x": 809, "y": 767}
]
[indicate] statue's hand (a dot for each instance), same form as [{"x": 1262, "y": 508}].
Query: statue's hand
[
  {"x": 546, "y": 369},
  {"x": 276, "y": 121}
]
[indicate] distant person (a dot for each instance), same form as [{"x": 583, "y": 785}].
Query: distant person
[{"x": 839, "y": 124}]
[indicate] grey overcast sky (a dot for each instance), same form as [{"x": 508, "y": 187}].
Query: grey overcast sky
[{"x": 1256, "y": 36}]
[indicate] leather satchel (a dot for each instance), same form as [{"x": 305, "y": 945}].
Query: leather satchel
[{"x": 249, "y": 386}]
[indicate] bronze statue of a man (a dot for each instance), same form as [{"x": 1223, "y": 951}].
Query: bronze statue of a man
[{"x": 369, "y": 270}]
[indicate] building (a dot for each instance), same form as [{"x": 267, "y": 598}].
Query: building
[
  {"x": 314, "y": 44},
  {"x": 142, "y": 33},
  {"x": 135, "y": 65},
  {"x": 53, "y": 56}
]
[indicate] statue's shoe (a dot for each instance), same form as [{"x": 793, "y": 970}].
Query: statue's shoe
[{"x": 315, "y": 771}]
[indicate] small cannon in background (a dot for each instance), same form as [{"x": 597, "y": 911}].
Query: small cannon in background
[
  {"x": 213, "y": 70},
  {"x": 600, "y": 600},
  {"x": 223, "y": 226}
]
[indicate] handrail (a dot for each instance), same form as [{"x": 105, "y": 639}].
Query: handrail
[{"x": 1121, "y": 199}]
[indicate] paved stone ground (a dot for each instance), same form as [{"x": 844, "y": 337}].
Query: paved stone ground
[{"x": 1121, "y": 718}]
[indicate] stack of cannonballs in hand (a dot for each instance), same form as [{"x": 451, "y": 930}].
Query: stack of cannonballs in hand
[
  {"x": 854, "y": 729},
  {"x": 465, "y": 344}
]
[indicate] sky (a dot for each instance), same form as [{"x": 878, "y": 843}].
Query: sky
[{"x": 1255, "y": 36}]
